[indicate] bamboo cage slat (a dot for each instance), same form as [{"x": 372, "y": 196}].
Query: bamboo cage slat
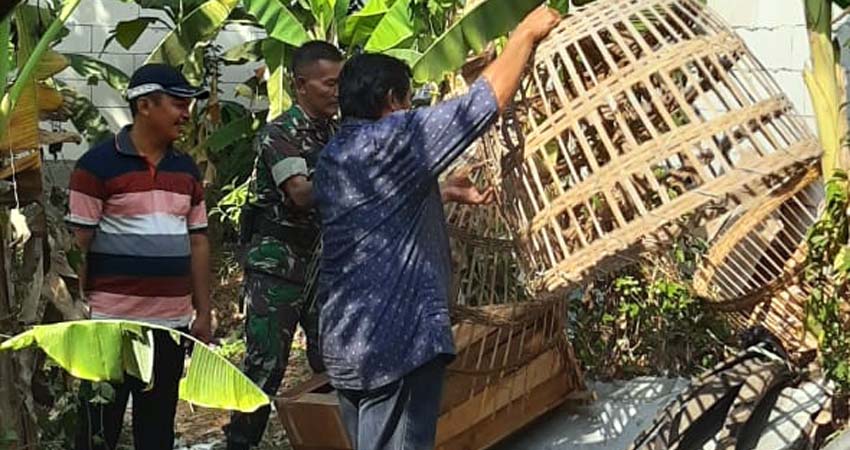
[
  {"x": 753, "y": 269},
  {"x": 633, "y": 115}
]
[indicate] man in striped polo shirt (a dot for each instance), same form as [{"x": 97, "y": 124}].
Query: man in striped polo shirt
[{"x": 138, "y": 213}]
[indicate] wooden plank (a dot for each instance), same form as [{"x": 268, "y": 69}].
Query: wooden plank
[
  {"x": 500, "y": 394},
  {"x": 544, "y": 398},
  {"x": 317, "y": 383},
  {"x": 460, "y": 387},
  {"x": 313, "y": 421}
]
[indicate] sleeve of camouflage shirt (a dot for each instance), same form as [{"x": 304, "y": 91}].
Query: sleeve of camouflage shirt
[{"x": 281, "y": 155}]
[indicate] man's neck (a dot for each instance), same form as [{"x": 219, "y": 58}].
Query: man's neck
[
  {"x": 312, "y": 115},
  {"x": 147, "y": 142}
]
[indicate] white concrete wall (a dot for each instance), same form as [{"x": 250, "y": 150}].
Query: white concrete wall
[
  {"x": 90, "y": 26},
  {"x": 773, "y": 29}
]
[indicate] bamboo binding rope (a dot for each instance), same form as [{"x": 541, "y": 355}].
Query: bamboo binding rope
[
  {"x": 634, "y": 114},
  {"x": 753, "y": 270}
]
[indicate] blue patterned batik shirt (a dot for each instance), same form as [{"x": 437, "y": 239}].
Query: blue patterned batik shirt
[{"x": 386, "y": 267}]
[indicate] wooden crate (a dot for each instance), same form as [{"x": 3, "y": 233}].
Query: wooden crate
[
  {"x": 634, "y": 114},
  {"x": 505, "y": 376}
]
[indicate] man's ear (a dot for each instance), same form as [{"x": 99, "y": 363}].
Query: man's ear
[
  {"x": 392, "y": 102},
  {"x": 143, "y": 105},
  {"x": 299, "y": 82}
]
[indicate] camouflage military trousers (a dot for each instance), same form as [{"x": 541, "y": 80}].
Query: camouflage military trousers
[{"x": 274, "y": 308}]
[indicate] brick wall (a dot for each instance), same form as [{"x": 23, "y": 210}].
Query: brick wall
[{"x": 90, "y": 26}]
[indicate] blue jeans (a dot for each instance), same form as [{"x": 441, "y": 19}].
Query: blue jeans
[{"x": 400, "y": 416}]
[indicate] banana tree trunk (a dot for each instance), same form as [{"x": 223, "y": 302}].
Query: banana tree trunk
[
  {"x": 17, "y": 430},
  {"x": 826, "y": 84}
]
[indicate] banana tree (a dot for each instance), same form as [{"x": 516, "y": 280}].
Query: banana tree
[
  {"x": 20, "y": 105},
  {"x": 828, "y": 263}
]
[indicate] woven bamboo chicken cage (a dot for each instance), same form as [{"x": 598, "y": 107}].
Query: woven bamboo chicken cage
[
  {"x": 635, "y": 113},
  {"x": 753, "y": 268}
]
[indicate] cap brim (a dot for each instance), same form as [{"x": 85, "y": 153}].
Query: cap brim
[{"x": 187, "y": 92}]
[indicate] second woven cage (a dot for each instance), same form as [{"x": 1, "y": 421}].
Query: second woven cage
[{"x": 635, "y": 113}]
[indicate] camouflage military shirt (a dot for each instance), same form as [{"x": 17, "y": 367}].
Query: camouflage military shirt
[{"x": 284, "y": 235}]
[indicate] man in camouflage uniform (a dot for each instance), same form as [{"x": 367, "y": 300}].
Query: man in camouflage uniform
[{"x": 282, "y": 229}]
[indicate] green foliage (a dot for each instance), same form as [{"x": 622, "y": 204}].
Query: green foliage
[
  {"x": 360, "y": 25},
  {"x": 246, "y": 52},
  {"x": 279, "y": 100},
  {"x": 394, "y": 29},
  {"x": 25, "y": 75},
  {"x": 128, "y": 32},
  {"x": 644, "y": 320},
  {"x": 104, "y": 350},
  {"x": 485, "y": 22},
  {"x": 95, "y": 70},
  {"x": 195, "y": 28},
  {"x": 86, "y": 117},
  {"x": 827, "y": 269},
  {"x": 280, "y": 23},
  {"x": 229, "y": 208},
  {"x": 231, "y": 147}
]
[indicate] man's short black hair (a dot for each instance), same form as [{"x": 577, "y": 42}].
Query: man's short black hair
[
  {"x": 365, "y": 81},
  {"x": 156, "y": 97},
  {"x": 311, "y": 52}
]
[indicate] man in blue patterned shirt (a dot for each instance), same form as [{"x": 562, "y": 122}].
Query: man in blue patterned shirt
[{"x": 386, "y": 267}]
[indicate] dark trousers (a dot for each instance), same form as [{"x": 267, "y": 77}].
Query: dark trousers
[
  {"x": 399, "y": 416},
  {"x": 274, "y": 310},
  {"x": 99, "y": 425}
]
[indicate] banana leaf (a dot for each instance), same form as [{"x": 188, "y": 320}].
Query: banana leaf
[
  {"x": 22, "y": 164},
  {"x": 393, "y": 30},
  {"x": 48, "y": 99},
  {"x": 86, "y": 118},
  {"x": 485, "y": 22},
  {"x": 29, "y": 56},
  {"x": 127, "y": 32},
  {"x": 278, "y": 21},
  {"x": 242, "y": 53},
  {"x": 405, "y": 54},
  {"x": 279, "y": 100},
  {"x": 51, "y": 63},
  {"x": 107, "y": 350},
  {"x": 199, "y": 26},
  {"x": 90, "y": 68},
  {"x": 236, "y": 130},
  {"x": 358, "y": 27},
  {"x": 21, "y": 131}
]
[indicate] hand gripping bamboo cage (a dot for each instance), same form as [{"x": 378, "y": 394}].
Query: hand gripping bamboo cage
[
  {"x": 753, "y": 269},
  {"x": 486, "y": 270},
  {"x": 635, "y": 113}
]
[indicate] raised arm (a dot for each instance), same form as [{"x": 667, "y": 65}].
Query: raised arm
[{"x": 504, "y": 72}]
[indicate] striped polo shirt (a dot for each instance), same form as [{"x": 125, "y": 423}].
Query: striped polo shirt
[{"x": 139, "y": 261}]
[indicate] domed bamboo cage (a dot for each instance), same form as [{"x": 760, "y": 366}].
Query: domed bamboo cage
[
  {"x": 635, "y": 113},
  {"x": 753, "y": 268}
]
